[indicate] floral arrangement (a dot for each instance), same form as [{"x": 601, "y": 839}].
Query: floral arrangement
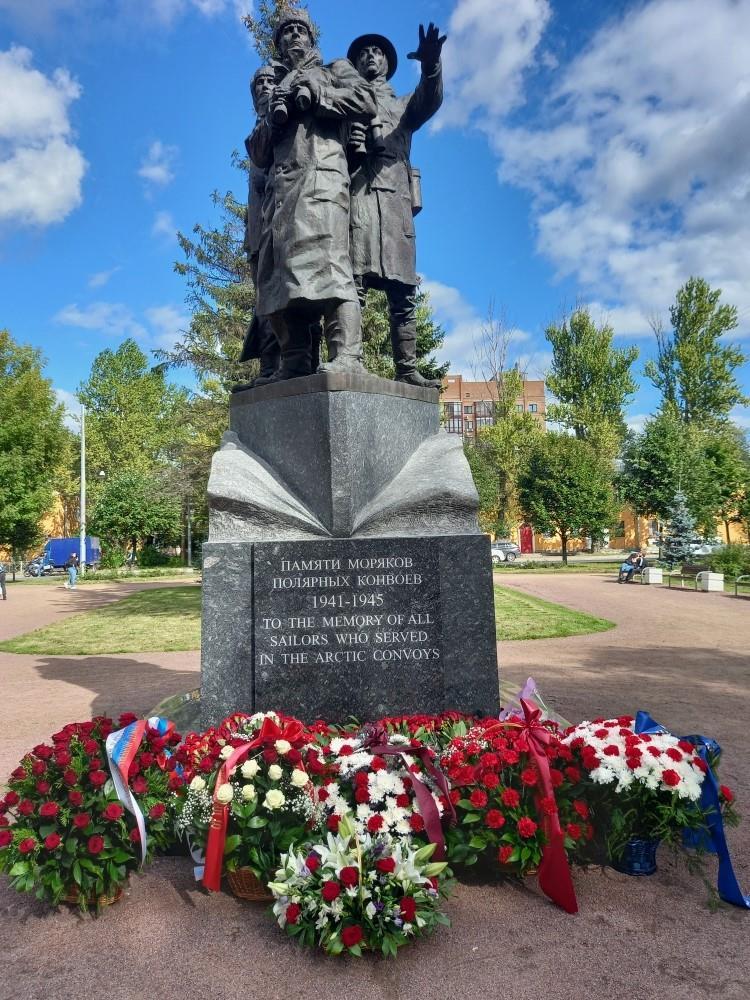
[
  {"x": 63, "y": 832},
  {"x": 495, "y": 788},
  {"x": 269, "y": 795},
  {"x": 359, "y": 892},
  {"x": 641, "y": 785}
]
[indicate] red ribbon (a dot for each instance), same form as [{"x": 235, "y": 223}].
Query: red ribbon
[
  {"x": 376, "y": 743},
  {"x": 269, "y": 732},
  {"x": 554, "y": 871}
]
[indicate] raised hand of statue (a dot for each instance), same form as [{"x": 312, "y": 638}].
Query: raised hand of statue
[{"x": 430, "y": 46}]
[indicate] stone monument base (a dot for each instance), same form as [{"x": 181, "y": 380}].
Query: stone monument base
[{"x": 349, "y": 626}]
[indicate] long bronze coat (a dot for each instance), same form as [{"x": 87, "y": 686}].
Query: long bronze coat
[
  {"x": 382, "y": 225},
  {"x": 304, "y": 250}
]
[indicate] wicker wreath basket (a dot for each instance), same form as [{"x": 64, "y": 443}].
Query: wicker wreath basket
[
  {"x": 245, "y": 884},
  {"x": 106, "y": 899}
]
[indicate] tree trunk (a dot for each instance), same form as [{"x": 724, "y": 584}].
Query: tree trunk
[
  {"x": 13, "y": 561},
  {"x": 564, "y": 541},
  {"x": 726, "y": 529}
]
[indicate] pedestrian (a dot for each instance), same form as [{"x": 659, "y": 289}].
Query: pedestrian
[
  {"x": 72, "y": 567},
  {"x": 2, "y": 581}
]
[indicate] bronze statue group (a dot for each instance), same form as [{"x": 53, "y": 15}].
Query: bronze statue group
[{"x": 332, "y": 201}]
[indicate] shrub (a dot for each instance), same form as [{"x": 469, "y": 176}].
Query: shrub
[{"x": 732, "y": 560}]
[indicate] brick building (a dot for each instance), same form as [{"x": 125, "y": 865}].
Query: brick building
[{"x": 469, "y": 406}]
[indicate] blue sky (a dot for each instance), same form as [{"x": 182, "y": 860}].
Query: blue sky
[{"x": 587, "y": 150}]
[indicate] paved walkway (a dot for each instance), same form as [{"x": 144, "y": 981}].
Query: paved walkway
[{"x": 684, "y": 656}]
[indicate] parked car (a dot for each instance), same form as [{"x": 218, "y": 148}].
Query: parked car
[
  {"x": 504, "y": 552},
  {"x": 705, "y": 546}
]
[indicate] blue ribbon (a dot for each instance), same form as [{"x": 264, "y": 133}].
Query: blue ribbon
[{"x": 728, "y": 886}]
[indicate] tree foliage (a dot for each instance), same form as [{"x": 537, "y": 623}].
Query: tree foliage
[
  {"x": 591, "y": 380},
  {"x": 32, "y": 443},
  {"x": 376, "y": 337},
  {"x": 133, "y": 507},
  {"x": 262, "y": 27},
  {"x": 680, "y": 530},
  {"x": 695, "y": 367},
  {"x": 566, "y": 488}
]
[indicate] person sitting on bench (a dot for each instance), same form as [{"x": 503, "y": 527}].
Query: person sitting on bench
[{"x": 635, "y": 561}]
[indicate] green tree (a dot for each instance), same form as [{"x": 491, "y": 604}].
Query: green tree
[
  {"x": 32, "y": 439},
  {"x": 680, "y": 530},
  {"x": 728, "y": 466},
  {"x": 591, "y": 380},
  {"x": 695, "y": 368},
  {"x": 566, "y": 488},
  {"x": 133, "y": 508},
  {"x": 262, "y": 27}
]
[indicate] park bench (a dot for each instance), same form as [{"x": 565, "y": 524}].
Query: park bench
[
  {"x": 689, "y": 572},
  {"x": 742, "y": 581}
]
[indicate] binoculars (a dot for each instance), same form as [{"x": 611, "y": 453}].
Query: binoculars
[
  {"x": 280, "y": 104},
  {"x": 373, "y": 141}
]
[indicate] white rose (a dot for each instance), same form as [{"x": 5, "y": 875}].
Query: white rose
[
  {"x": 224, "y": 794},
  {"x": 299, "y": 778},
  {"x": 248, "y": 792},
  {"x": 226, "y": 752},
  {"x": 274, "y": 799},
  {"x": 250, "y": 768},
  {"x": 282, "y": 746},
  {"x": 274, "y": 772},
  {"x": 197, "y": 784}
]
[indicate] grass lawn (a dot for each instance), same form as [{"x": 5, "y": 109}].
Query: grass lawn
[
  {"x": 158, "y": 620},
  {"x": 520, "y": 616},
  {"x": 549, "y": 566}
]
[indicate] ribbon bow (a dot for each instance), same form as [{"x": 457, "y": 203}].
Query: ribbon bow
[
  {"x": 554, "y": 871},
  {"x": 727, "y": 884},
  {"x": 269, "y": 732},
  {"x": 376, "y": 742}
]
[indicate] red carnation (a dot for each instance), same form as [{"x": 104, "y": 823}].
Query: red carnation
[
  {"x": 49, "y": 810},
  {"x": 147, "y": 759},
  {"x": 547, "y": 805},
  {"x": 53, "y": 841},
  {"x": 27, "y": 845},
  {"x": 3, "y": 820},
  {"x": 478, "y": 798},
  {"x": 292, "y": 913},
  {"x": 386, "y": 865},
  {"x": 408, "y": 907},
  {"x": 97, "y": 778},
  {"x": 556, "y": 777},
  {"x": 633, "y": 762},
  {"x": 313, "y": 862},
  {"x": 157, "y": 811},
  {"x": 726, "y": 793},
  {"x": 611, "y": 750},
  {"x": 42, "y": 787},
  {"x": 573, "y": 774},
  {"x": 5, "y": 838},
  {"x": 674, "y": 754},
  {"x": 671, "y": 778},
  {"x": 490, "y": 779},
  {"x": 362, "y": 795},
  {"x": 489, "y": 760},
  {"x": 494, "y": 819},
  {"x": 503, "y": 855},
  {"x": 402, "y": 801},
  {"x": 75, "y": 798},
  {"x": 113, "y": 811},
  {"x": 135, "y": 835},
  {"x": 351, "y": 935},
  {"x": 529, "y": 776},
  {"x": 322, "y": 795},
  {"x": 684, "y": 745},
  {"x": 526, "y": 827},
  {"x": 26, "y": 808},
  {"x": 455, "y": 796},
  {"x": 95, "y": 844},
  {"x": 375, "y": 823},
  {"x": 330, "y": 891},
  {"x": 573, "y": 830},
  {"x": 654, "y": 751},
  {"x": 81, "y": 820},
  {"x": 581, "y": 808},
  {"x": 601, "y": 734},
  {"x": 349, "y": 876},
  {"x": 510, "y": 798},
  {"x": 346, "y": 751},
  {"x": 333, "y": 823},
  {"x": 416, "y": 822}
]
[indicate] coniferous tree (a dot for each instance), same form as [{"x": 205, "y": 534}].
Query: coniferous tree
[{"x": 681, "y": 530}]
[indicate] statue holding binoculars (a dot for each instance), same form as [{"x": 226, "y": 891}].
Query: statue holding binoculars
[{"x": 304, "y": 267}]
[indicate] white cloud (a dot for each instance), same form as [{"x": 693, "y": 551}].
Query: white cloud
[
  {"x": 167, "y": 323},
  {"x": 638, "y": 160},
  {"x": 47, "y": 16},
  {"x": 101, "y": 278},
  {"x": 637, "y": 421},
  {"x": 741, "y": 416},
  {"x": 157, "y": 166},
  {"x": 72, "y": 408},
  {"x": 160, "y": 328},
  {"x": 41, "y": 168},
  {"x": 164, "y": 226},
  {"x": 463, "y": 327}
]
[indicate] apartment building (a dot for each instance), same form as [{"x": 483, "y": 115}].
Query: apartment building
[{"x": 467, "y": 407}]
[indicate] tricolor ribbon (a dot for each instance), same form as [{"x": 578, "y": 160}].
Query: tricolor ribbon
[
  {"x": 269, "y": 732},
  {"x": 727, "y": 884},
  {"x": 121, "y": 747},
  {"x": 554, "y": 872},
  {"x": 376, "y": 743}
]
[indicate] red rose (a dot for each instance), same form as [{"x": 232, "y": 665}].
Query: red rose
[
  {"x": 53, "y": 841},
  {"x": 5, "y": 838},
  {"x": 42, "y": 787},
  {"x": 478, "y": 798},
  {"x": 333, "y": 822},
  {"x": 510, "y": 798},
  {"x": 75, "y": 798},
  {"x": 95, "y": 764},
  {"x": 504, "y": 854},
  {"x": 313, "y": 862},
  {"x": 27, "y": 845},
  {"x": 90, "y": 746},
  {"x": 38, "y": 768},
  {"x": 81, "y": 820},
  {"x": 526, "y": 827},
  {"x": 70, "y": 777},
  {"x": 386, "y": 865},
  {"x": 126, "y": 718},
  {"x": 49, "y": 810},
  {"x": 671, "y": 778},
  {"x": 19, "y": 774},
  {"x": 139, "y": 785},
  {"x": 351, "y": 935},
  {"x": 349, "y": 876},
  {"x": 157, "y": 811},
  {"x": 330, "y": 891},
  {"x": 206, "y": 765},
  {"x": 113, "y": 812},
  {"x": 726, "y": 793},
  {"x": 42, "y": 752},
  {"x": 408, "y": 907},
  {"x": 292, "y": 913},
  {"x": 95, "y": 845},
  {"x": 11, "y": 799},
  {"x": 270, "y": 756},
  {"x": 26, "y": 808},
  {"x": 416, "y": 822},
  {"x": 375, "y": 823},
  {"x": 294, "y": 756},
  {"x": 97, "y": 778},
  {"x": 135, "y": 835},
  {"x": 573, "y": 830},
  {"x": 529, "y": 776},
  {"x": 494, "y": 819},
  {"x": 3, "y": 820},
  {"x": 322, "y": 795},
  {"x": 63, "y": 758}
]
